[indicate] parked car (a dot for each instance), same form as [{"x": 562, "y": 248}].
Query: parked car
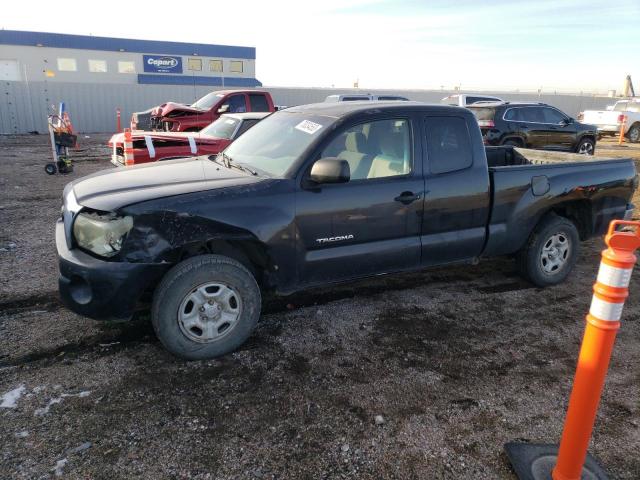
[
  {"x": 177, "y": 117},
  {"x": 318, "y": 194},
  {"x": 465, "y": 99},
  {"x": 533, "y": 125},
  {"x": 608, "y": 122},
  {"x": 356, "y": 97},
  {"x": 154, "y": 146}
]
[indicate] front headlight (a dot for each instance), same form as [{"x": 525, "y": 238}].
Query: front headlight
[{"x": 101, "y": 234}]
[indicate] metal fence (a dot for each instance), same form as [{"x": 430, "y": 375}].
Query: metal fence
[{"x": 24, "y": 106}]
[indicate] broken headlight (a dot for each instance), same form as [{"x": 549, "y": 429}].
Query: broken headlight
[{"x": 101, "y": 233}]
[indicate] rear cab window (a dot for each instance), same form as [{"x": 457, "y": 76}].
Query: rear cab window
[
  {"x": 258, "y": 102},
  {"x": 448, "y": 144}
]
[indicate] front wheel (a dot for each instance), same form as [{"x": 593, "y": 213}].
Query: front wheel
[
  {"x": 205, "y": 307},
  {"x": 586, "y": 147},
  {"x": 550, "y": 253}
]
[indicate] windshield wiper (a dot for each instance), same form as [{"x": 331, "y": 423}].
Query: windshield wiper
[{"x": 228, "y": 162}]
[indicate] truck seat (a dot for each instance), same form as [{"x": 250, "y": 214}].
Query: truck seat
[
  {"x": 390, "y": 161},
  {"x": 354, "y": 144}
]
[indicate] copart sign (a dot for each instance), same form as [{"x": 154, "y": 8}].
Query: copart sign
[{"x": 162, "y": 64}]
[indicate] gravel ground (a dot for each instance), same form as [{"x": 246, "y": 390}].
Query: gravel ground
[{"x": 408, "y": 376}]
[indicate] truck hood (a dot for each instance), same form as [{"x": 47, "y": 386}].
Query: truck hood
[
  {"x": 171, "y": 107},
  {"x": 109, "y": 190}
]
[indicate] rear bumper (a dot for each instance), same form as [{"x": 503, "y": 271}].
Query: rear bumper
[
  {"x": 608, "y": 128},
  {"x": 99, "y": 289}
]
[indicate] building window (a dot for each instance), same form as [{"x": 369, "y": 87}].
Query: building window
[
  {"x": 236, "y": 66},
  {"x": 98, "y": 66},
  {"x": 215, "y": 65},
  {"x": 67, "y": 65},
  {"x": 126, "y": 67},
  {"x": 195, "y": 64}
]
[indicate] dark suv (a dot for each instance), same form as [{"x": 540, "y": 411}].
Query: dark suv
[{"x": 533, "y": 125}]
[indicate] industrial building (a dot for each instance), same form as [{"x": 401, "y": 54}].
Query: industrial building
[
  {"x": 94, "y": 76},
  {"x": 92, "y": 73}
]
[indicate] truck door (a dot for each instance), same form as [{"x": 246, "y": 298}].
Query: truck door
[
  {"x": 528, "y": 123},
  {"x": 561, "y": 133},
  {"x": 457, "y": 196},
  {"x": 370, "y": 224}
]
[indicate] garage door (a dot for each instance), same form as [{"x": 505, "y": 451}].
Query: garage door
[{"x": 9, "y": 70}]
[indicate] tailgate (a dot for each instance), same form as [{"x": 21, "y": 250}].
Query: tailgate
[{"x": 600, "y": 117}]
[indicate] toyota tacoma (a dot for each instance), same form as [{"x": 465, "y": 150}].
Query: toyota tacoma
[{"x": 319, "y": 194}]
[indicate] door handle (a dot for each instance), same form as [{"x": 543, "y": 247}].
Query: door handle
[{"x": 407, "y": 197}]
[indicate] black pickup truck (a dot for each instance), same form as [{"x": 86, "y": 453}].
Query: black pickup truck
[{"x": 319, "y": 194}]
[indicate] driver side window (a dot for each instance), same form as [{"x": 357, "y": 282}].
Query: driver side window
[
  {"x": 374, "y": 150},
  {"x": 236, "y": 104}
]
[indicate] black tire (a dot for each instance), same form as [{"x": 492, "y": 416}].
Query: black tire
[
  {"x": 586, "y": 146},
  {"x": 185, "y": 278},
  {"x": 634, "y": 133},
  {"x": 529, "y": 259},
  {"x": 513, "y": 142},
  {"x": 50, "y": 168}
]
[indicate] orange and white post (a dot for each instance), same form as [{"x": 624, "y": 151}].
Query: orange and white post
[
  {"x": 128, "y": 147},
  {"x": 622, "y": 119},
  {"x": 603, "y": 322}
]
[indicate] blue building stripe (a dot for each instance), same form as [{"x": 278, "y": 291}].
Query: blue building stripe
[
  {"x": 110, "y": 44},
  {"x": 197, "y": 80}
]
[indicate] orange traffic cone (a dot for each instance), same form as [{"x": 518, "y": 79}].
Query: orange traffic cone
[
  {"x": 128, "y": 147},
  {"x": 570, "y": 461}
]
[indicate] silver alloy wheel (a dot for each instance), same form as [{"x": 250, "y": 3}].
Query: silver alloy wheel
[
  {"x": 555, "y": 253},
  {"x": 209, "y": 311},
  {"x": 634, "y": 134},
  {"x": 586, "y": 148}
]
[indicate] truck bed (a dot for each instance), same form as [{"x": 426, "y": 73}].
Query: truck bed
[
  {"x": 525, "y": 184},
  {"x": 508, "y": 156}
]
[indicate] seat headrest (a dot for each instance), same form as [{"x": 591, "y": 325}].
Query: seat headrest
[
  {"x": 391, "y": 144},
  {"x": 355, "y": 142}
]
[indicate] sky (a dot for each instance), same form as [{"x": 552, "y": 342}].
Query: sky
[{"x": 561, "y": 45}]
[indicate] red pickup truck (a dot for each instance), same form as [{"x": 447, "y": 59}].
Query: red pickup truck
[
  {"x": 154, "y": 146},
  {"x": 177, "y": 117}
]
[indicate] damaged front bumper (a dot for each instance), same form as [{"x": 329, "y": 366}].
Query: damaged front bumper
[{"x": 100, "y": 289}]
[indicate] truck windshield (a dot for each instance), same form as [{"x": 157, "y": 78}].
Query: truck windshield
[
  {"x": 221, "y": 128},
  {"x": 275, "y": 143},
  {"x": 208, "y": 101}
]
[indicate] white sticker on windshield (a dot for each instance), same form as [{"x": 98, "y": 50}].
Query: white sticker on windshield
[
  {"x": 308, "y": 127},
  {"x": 230, "y": 122}
]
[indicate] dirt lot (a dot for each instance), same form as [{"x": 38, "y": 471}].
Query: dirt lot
[{"x": 457, "y": 360}]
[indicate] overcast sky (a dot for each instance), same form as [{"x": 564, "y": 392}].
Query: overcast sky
[{"x": 568, "y": 45}]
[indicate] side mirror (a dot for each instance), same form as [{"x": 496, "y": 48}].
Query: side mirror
[
  {"x": 223, "y": 109},
  {"x": 330, "y": 170},
  {"x": 567, "y": 121}
]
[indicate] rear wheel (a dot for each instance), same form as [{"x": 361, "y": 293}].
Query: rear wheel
[
  {"x": 634, "y": 133},
  {"x": 550, "y": 253},
  {"x": 205, "y": 306},
  {"x": 586, "y": 146}
]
